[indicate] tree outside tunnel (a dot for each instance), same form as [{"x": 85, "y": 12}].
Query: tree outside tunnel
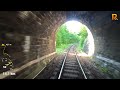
[{"x": 74, "y": 32}]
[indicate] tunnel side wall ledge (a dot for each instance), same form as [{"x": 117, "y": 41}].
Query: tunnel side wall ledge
[{"x": 31, "y": 69}]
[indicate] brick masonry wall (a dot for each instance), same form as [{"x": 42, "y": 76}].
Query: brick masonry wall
[
  {"x": 32, "y": 37},
  {"x": 32, "y": 34}
]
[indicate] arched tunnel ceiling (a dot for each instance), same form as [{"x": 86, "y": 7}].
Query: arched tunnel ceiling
[
  {"x": 32, "y": 33},
  {"x": 105, "y": 31},
  {"x": 42, "y": 21},
  {"x": 95, "y": 20}
]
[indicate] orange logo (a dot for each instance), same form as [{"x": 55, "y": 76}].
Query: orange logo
[{"x": 114, "y": 17}]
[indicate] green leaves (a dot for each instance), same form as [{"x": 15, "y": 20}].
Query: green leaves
[
  {"x": 83, "y": 35},
  {"x": 64, "y": 37}
]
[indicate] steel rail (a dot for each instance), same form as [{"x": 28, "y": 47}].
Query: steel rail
[
  {"x": 80, "y": 66},
  {"x": 61, "y": 70}
]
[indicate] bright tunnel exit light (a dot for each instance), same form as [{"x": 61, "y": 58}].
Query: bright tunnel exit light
[
  {"x": 75, "y": 27},
  {"x": 91, "y": 47}
]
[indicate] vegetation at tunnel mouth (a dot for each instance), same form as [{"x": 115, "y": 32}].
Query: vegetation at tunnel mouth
[{"x": 64, "y": 38}]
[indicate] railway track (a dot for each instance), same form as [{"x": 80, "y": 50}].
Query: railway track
[{"x": 69, "y": 67}]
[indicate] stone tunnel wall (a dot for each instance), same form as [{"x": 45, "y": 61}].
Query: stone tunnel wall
[
  {"x": 32, "y": 37},
  {"x": 106, "y": 35}
]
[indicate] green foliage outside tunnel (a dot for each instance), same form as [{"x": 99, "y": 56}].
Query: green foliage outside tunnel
[
  {"x": 82, "y": 37},
  {"x": 64, "y": 38}
]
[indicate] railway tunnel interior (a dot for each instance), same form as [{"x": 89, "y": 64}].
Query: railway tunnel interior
[{"x": 32, "y": 37}]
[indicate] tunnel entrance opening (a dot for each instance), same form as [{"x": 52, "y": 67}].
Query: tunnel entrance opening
[
  {"x": 31, "y": 36},
  {"x": 74, "y": 32}
]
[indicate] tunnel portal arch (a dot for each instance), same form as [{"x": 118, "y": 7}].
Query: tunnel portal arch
[
  {"x": 89, "y": 46},
  {"x": 35, "y": 30}
]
